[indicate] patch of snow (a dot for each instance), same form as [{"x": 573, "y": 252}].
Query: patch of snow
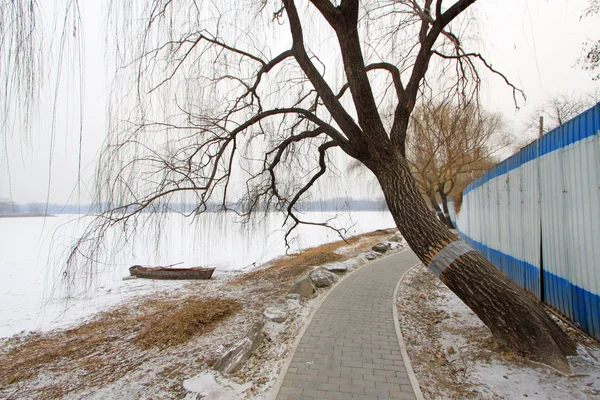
[
  {"x": 213, "y": 386},
  {"x": 439, "y": 326}
]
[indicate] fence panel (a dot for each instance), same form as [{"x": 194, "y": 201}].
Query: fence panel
[
  {"x": 536, "y": 216},
  {"x": 557, "y": 290}
]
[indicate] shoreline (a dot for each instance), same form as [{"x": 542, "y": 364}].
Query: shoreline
[
  {"x": 57, "y": 362},
  {"x": 26, "y": 215}
]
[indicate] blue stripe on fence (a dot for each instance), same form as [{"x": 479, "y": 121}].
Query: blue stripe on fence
[
  {"x": 584, "y": 125},
  {"x": 522, "y": 272},
  {"x": 581, "y": 306}
]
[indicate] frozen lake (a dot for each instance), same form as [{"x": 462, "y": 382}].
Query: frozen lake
[{"x": 33, "y": 251}]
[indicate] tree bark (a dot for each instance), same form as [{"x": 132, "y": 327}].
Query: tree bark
[{"x": 516, "y": 319}]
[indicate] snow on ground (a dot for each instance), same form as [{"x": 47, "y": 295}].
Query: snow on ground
[{"x": 455, "y": 357}]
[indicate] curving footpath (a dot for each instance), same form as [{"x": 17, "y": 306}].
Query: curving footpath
[{"x": 352, "y": 348}]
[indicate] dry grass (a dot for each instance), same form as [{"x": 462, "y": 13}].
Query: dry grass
[
  {"x": 91, "y": 347},
  {"x": 286, "y": 269},
  {"x": 30, "y": 353},
  {"x": 171, "y": 324}
]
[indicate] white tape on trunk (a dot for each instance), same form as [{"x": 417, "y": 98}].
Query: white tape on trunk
[{"x": 447, "y": 256}]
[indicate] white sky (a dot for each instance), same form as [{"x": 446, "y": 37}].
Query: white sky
[{"x": 535, "y": 43}]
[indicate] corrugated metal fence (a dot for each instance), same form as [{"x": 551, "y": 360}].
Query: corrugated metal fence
[{"x": 536, "y": 216}]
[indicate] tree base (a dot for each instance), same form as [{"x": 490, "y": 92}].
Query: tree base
[{"x": 516, "y": 319}]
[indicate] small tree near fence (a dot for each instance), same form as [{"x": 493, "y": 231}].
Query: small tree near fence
[{"x": 449, "y": 145}]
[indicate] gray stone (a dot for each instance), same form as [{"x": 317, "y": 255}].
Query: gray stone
[
  {"x": 292, "y": 296},
  {"x": 234, "y": 359},
  {"x": 381, "y": 247},
  {"x": 353, "y": 263},
  {"x": 396, "y": 238},
  {"x": 323, "y": 278},
  {"x": 275, "y": 314},
  {"x": 293, "y": 304},
  {"x": 304, "y": 287},
  {"x": 338, "y": 268},
  {"x": 371, "y": 255},
  {"x": 396, "y": 246}
]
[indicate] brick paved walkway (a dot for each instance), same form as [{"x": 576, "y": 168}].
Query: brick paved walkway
[{"x": 350, "y": 348}]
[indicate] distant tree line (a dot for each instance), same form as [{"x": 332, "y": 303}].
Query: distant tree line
[{"x": 9, "y": 207}]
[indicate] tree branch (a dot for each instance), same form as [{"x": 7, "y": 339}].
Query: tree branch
[
  {"x": 344, "y": 120},
  {"x": 478, "y": 56}
]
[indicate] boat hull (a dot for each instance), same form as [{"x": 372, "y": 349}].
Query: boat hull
[{"x": 171, "y": 273}]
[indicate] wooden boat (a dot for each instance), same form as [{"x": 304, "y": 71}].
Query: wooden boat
[{"x": 171, "y": 273}]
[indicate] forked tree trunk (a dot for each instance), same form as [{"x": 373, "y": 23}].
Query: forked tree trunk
[
  {"x": 516, "y": 319},
  {"x": 447, "y": 218},
  {"x": 436, "y": 207}
]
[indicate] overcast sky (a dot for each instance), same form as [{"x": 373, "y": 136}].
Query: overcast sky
[{"x": 535, "y": 43}]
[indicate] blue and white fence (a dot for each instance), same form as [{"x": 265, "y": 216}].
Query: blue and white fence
[{"x": 536, "y": 216}]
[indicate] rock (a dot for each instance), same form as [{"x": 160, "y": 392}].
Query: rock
[
  {"x": 371, "y": 256},
  {"x": 396, "y": 238},
  {"x": 381, "y": 247},
  {"x": 338, "y": 268},
  {"x": 323, "y": 278},
  {"x": 275, "y": 314},
  {"x": 292, "y": 296},
  {"x": 303, "y": 287},
  {"x": 293, "y": 304},
  {"x": 396, "y": 245},
  {"x": 233, "y": 360}
]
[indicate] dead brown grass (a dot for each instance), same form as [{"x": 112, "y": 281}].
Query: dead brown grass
[
  {"x": 286, "y": 269},
  {"x": 28, "y": 354},
  {"x": 90, "y": 347},
  {"x": 171, "y": 324}
]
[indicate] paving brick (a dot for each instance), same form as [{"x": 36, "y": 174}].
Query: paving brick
[
  {"x": 318, "y": 394},
  {"x": 352, "y": 389},
  {"x": 351, "y": 375},
  {"x": 363, "y": 383},
  {"x": 339, "y": 396},
  {"x": 402, "y": 395},
  {"x": 328, "y": 387},
  {"x": 303, "y": 385},
  {"x": 378, "y": 378},
  {"x": 382, "y": 393},
  {"x": 290, "y": 390}
]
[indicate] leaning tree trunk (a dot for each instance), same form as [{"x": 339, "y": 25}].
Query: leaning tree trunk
[{"x": 515, "y": 318}]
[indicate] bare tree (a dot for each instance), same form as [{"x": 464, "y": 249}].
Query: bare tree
[
  {"x": 8, "y": 207},
  {"x": 555, "y": 111},
  {"x": 590, "y": 61},
  {"x": 252, "y": 101},
  {"x": 448, "y": 146}
]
